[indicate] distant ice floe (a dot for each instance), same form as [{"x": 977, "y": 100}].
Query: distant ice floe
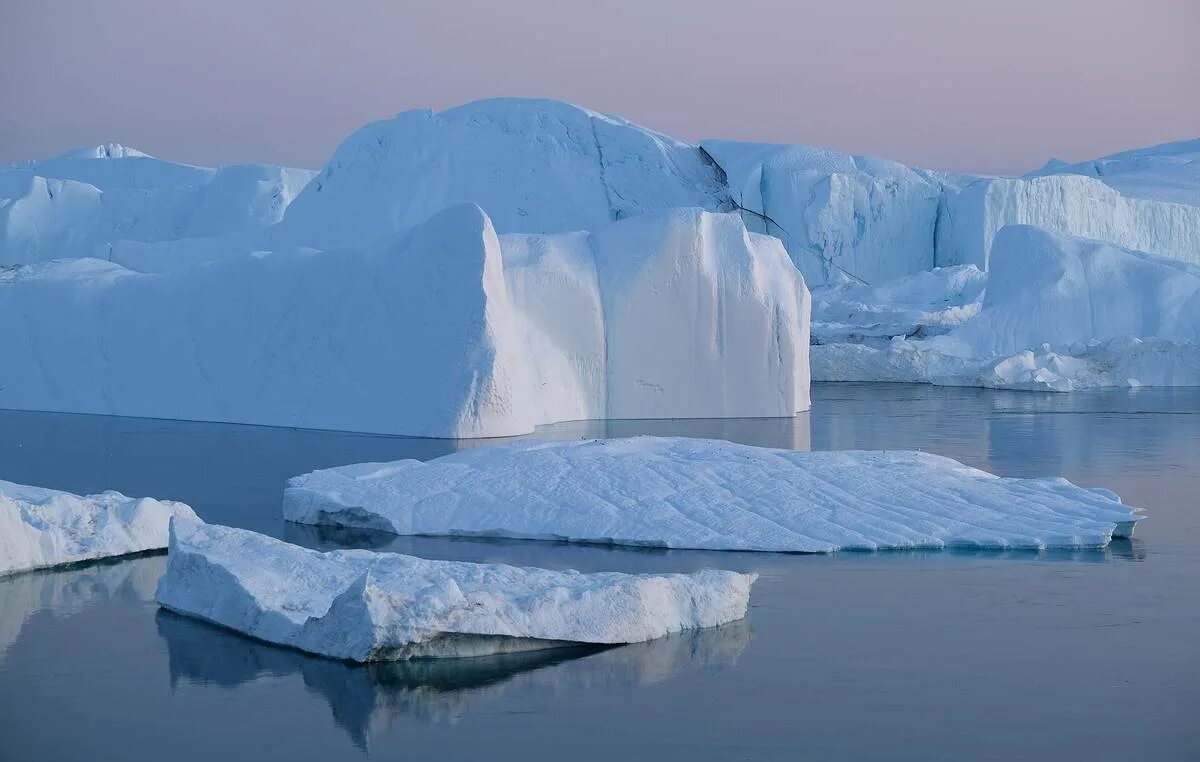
[
  {"x": 363, "y": 606},
  {"x": 1057, "y": 313},
  {"x": 707, "y": 494},
  {"x": 41, "y": 528}
]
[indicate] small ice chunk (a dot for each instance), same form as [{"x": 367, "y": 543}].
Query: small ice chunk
[
  {"x": 364, "y": 606},
  {"x": 41, "y": 527},
  {"x": 707, "y": 494}
]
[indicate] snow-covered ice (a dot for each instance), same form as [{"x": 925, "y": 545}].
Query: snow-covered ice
[
  {"x": 363, "y": 606},
  {"x": 1073, "y": 205},
  {"x": 1167, "y": 172},
  {"x": 40, "y": 528},
  {"x": 536, "y": 166},
  {"x": 712, "y": 495},
  {"x": 1059, "y": 314},
  {"x": 869, "y": 218},
  {"x": 447, "y": 330},
  {"x": 82, "y": 203}
]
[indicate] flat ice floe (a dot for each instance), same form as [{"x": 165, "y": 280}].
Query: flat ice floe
[
  {"x": 713, "y": 495},
  {"x": 40, "y": 528},
  {"x": 364, "y": 606}
]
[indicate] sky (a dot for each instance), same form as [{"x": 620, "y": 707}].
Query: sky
[{"x": 974, "y": 85}]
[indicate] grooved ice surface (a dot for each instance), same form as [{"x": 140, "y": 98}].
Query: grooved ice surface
[
  {"x": 707, "y": 494},
  {"x": 40, "y": 528},
  {"x": 365, "y": 606}
]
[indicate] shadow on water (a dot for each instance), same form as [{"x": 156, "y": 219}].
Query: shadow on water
[{"x": 366, "y": 699}]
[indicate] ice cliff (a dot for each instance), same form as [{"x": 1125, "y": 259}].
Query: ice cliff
[{"x": 447, "y": 330}]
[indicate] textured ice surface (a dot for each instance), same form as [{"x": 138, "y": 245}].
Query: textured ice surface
[
  {"x": 1167, "y": 172},
  {"x": 1059, "y": 314},
  {"x": 1068, "y": 204},
  {"x": 82, "y": 203},
  {"x": 535, "y": 166},
  {"x": 837, "y": 214},
  {"x": 40, "y": 528},
  {"x": 924, "y": 304},
  {"x": 364, "y": 606},
  {"x": 707, "y": 494},
  {"x": 446, "y": 331}
]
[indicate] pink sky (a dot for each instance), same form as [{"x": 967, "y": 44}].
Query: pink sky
[{"x": 953, "y": 84}]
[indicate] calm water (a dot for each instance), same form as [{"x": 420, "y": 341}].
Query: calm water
[{"x": 1090, "y": 655}]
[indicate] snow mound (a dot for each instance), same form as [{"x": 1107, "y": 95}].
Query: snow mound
[
  {"x": 711, "y": 495},
  {"x": 445, "y": 331},
  {"x": 363, "y": 606},
  {"x": 84, "y": 202},
  {"x": 1059, "y": 314},
  {"x": 40, "y": 528},
  {"x": 535, "y": 166},
  {"x": 837, "y": 214}
]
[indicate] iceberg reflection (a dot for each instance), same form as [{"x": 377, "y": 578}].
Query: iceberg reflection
[{"x": 368, "y": 699}]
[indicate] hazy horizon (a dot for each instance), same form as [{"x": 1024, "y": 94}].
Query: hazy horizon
[{"x": 949, "y": 85}]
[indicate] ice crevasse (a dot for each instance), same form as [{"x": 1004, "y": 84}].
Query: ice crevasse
[{"x": 447, "y": 330}]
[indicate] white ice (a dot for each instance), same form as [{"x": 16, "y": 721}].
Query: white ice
[
  {"x": 40, "y": 528},
  {"x": 84, "y": 202},
  {"x": 363, "y": 606},
  {"x": 712, "y": 495},
  {"x": 1059, "y": 314},
  {"x": 447, "y": 330}
]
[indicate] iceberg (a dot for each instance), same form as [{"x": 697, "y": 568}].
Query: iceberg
[
  {"x": 1167, "y": 172},
  {"x": 709, "y": 495},
  {"x": 535, "y": 166},
  {"x": 448, "y": 330},
  {"x": 1067, "y": 204},
  {"x": 84, "y": 202},
  {"x": 362, "y": 606},
  {"x": 41, "y": 528},
  {"x": 1059, "y": 313},
  {"x": 868, "y": 218}
]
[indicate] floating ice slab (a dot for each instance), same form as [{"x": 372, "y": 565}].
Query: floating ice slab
[
  {"x": 705, "y": 494},
  {"x": 364, "y": 606},
  {"x": 40, "y": 528}
]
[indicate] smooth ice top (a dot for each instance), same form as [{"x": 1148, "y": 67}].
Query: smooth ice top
[
  {"x": 41, "y": 527},
  {"x": 365, "y": 606},
  {"x": 705, "y": 494}
]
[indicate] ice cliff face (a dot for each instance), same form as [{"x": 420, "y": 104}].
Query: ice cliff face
[
  {"x": 448, "y": 330},
  {"x": 79, "y": 204}
]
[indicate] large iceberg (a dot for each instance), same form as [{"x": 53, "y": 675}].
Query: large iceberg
[
  {"x": 40, "y": 528},
  {"x": 536, "y": 166},
  {"x": 1167, "y": 172},
  {"x": 710, "y": 495},
  {"x": 1058, "y": 313},
  {"x": 1070, "y": 204},
  {"x": 363, "y": 606},
  {"x": 868, "y": 218},
  {"x": 82, "y": 203},
  {"x": 448, "y": 330}
]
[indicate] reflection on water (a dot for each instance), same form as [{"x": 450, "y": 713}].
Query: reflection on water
[
  {"x": 69, "y": 591},
  {"x": 368, "y": 699},
  {"x": 925, "y": 654}
]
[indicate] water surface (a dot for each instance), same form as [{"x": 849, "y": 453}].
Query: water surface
[{"x": 930, "y": 655}]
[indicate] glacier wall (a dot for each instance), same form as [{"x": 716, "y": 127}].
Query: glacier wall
[
  {"x": 1069, "y": 204},
  {"x": 448, "y": 330}
]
